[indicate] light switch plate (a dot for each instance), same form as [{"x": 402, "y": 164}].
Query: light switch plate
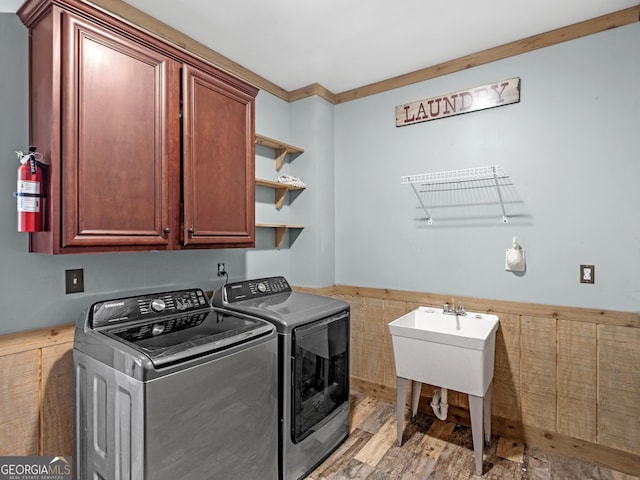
[
  {"x": 587, "y": 274},
  {"x": 74, "y": 280}
]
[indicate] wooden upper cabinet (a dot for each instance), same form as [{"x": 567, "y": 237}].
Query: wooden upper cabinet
[
  {"x": 218, "y": 162},
  {"x": 127, "y": 169},
  {"x": 120, "y": 126}
]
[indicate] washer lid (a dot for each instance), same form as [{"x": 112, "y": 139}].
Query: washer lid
[
  {"x": 169, "y": 340},
  {"x": 288, "y": 310}
]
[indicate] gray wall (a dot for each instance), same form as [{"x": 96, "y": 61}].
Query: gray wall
[
  {"x": 570, "y": 147},
  {"x": 309, "y": 253},
  {"x": 313, "y": 252}
]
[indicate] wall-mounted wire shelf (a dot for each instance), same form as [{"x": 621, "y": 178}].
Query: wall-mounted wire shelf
[{"x": 491, "y": 175}]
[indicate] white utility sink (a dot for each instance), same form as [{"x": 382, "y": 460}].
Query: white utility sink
[
  {"x": 450, "y": 351},
  {"x": 446, "y": 350}
]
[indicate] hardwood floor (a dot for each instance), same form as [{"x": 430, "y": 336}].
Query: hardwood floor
[{"x": 437, "y": 450}]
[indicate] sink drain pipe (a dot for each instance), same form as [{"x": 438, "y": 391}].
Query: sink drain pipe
[{"x": 439, "y": 403}]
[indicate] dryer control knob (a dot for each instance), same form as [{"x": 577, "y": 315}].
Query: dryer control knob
[
  {"x": 158, "y": 305},
  {"x": 157, "y": 329},
  {"x": 262, "y": 287}
]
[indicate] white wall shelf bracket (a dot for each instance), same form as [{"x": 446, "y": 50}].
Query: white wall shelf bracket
[{"x": 424, "y": 207}]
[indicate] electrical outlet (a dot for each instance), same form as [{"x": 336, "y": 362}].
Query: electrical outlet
[
  {"x": 221, "y": 270},
  {"x": 74, "y": 280},
  {"x": 587, "y": 274}
]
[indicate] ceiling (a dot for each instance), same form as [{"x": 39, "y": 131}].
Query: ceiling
[{"x": 345, "y": 44}]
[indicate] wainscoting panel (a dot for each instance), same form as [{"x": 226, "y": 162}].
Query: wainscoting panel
[
  {"x": 19, "y": 381},
  {"x": 577, "y": 366},
  {"x": 36, "y": 384},
  {"x": 619, "y": 388}
]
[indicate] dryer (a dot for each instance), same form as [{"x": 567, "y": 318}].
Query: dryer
[{"x": 313, "y": 367}]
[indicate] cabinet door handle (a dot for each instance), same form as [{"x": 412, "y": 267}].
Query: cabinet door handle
[
  {"x": 190, "y": 231},
  {"x": 167, "y": 230}
]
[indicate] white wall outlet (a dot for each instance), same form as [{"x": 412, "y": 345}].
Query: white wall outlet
[
  {"x": 221, "y": 269},
  {"x": 587, "y": 274}
]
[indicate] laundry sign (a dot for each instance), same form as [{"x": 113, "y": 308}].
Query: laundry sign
[{"x": 491, "y": 95}]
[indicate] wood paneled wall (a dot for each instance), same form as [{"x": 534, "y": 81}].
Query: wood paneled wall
[
  {"x": 565, "y": 378},
  {"x": 36, "y": 384}
]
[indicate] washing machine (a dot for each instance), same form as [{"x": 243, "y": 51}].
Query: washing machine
[
  {"x": 313, "y": 371},
  {"x": 168, "y": 387}
]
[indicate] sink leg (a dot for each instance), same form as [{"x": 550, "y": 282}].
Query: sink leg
[
  {"x": 416, "y": 387},
  {"x": 475, "y": 405},
  {"x": 487, "y": 417},
  {"x": 401, "y": 400}
]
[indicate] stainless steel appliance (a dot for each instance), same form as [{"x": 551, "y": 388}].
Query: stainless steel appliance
[
  {"x": 313, "y": 352},
  {"x": 168, "y": 387}
]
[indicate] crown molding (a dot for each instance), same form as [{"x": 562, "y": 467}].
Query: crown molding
[
  {"x": 547, "y": 39},
  {"x": 310, "y": 90}
]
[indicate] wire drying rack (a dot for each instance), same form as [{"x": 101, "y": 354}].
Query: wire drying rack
[{"x": 491, "y": 175}]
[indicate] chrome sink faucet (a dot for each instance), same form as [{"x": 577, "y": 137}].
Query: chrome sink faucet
[{"x": 451, "y": 309}]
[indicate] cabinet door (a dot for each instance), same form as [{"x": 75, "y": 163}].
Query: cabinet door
[
  {"x": 120, "y": 115},
  {"x": 218, "y": 162}
]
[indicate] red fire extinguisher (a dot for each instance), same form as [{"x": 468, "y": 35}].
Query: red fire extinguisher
[{"x": 30, "y": 194}]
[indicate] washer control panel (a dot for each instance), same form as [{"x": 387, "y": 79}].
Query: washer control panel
[
  {"x": 144, "y": 307},
  {"x": 239, "y": 291},
  {"x": 144, "y": 331}
]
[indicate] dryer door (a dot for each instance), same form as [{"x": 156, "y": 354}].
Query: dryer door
[{"x": 320, "y": 367}]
